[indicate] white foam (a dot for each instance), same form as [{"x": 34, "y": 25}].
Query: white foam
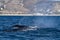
[{"x": 32, "y": 28}]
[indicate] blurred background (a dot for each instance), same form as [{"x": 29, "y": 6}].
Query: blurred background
[{"x": 30, "y": 6}]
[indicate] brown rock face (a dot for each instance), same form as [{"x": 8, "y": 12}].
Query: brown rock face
[
  {"x": 57, "y": 7},
  {"x": 24, "y": 6}
]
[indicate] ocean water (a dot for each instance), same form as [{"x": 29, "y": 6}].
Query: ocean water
[{"x": 48, "y": 27}]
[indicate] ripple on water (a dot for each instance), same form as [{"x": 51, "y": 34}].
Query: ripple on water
[{"x": 30, "y": 35}]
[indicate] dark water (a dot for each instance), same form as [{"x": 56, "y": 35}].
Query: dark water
[
  {"x": 48, "y": 27},
  {"x": 42, "y": 34}
]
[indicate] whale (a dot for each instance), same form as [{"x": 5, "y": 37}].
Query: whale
[{"x": 15, "y": 28}]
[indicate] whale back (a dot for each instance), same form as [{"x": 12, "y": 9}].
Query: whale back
[
  {"x": 15, "y": 28},
  {"x": 19, "y": 26}
]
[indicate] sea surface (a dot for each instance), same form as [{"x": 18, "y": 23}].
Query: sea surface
[{"x": 49, "y": 27}]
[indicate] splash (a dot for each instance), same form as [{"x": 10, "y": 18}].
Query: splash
[
  {"x": 16, "y": 28},
  {"x": 31, "y": 28}
]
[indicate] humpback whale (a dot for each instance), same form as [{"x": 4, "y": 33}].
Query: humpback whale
[{"x": 15, "y": 28}]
